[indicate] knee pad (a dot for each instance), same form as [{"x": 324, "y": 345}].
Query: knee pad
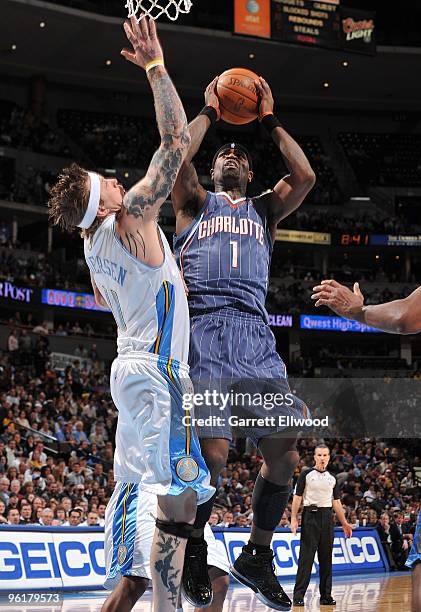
[
  {"x": 268, "y": 502},
  {"x": 178, "y": 530}
]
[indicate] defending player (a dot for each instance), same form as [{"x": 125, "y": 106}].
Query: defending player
[
  {"x": 134, "y": 273},
  {"x": 397, "y": 317},
  {"x": 146, "y": 510},
  {"x": 224, "y": 245}
]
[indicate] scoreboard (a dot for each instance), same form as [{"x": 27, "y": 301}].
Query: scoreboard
[
  {"x": 306, "y": 21},
  {"x": 310, "y": 22}
]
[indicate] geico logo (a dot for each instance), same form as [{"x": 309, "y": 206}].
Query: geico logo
[
  {"x": 356, "y": 550},
  {"x": 39, "y": 560}
]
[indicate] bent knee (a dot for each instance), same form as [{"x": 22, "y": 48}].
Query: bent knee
[{"x": 178, "y": 508}]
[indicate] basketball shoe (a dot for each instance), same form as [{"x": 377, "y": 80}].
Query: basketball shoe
[
  {"x": 258, "y": 573},
  {"x": 197, "y": 587}
]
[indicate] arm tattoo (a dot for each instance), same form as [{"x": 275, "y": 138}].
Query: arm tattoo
[
  {"x": 134, "y": 243},
  {"x": 169, "y": 575},
  {"x": 167, "y": 160}
]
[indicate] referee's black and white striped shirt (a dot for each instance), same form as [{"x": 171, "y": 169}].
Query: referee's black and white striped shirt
[{"x": 317, "y": 488}]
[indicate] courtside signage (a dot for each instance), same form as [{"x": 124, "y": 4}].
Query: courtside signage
[
  {"x": 361, "y": 553},
  {"x": 322, "y": 323},
  {"x": 73, "y": 558}
]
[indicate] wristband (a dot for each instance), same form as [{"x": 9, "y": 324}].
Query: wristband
[
  {"x": 270, "y": 122},
  {"x": 211, "y": 113},
  {"x": 153, "y": 64}
]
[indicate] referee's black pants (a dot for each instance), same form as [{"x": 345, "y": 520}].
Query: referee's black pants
[{"x": 316, "y": 536}]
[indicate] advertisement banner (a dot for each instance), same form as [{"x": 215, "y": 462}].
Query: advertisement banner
[
  {"x": 390, "y": 240},
  {"x": 358, "y": 34},
  {"x": 56, "y": 559},
  {"x": 9, "y": 291},
  {"x": 252, "y": 17},
  {"x": 325, "y": 323},
  {"x": 303, "y": 236},
  {"x": 70, "y": 299},
  {"x": 66, "y": 558},
  {"x": 361, "y": 553}
]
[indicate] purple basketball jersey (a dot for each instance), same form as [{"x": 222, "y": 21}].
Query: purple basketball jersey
[{"x": 225, "y": 256}]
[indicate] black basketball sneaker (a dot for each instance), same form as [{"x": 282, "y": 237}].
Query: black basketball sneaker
[
  {"x": 258, "y": 573},
  {"x": 197, "y": 587}
]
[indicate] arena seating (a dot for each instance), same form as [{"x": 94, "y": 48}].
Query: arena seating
[{"x": 384, "y": 159}]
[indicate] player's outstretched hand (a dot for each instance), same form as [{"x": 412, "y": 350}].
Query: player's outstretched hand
[
  {"x": 144, "y": 40},
  {"x": 211, "y": 99},
  {"x": 340, "y": 299},
  {"x": 265, "y": 97}
]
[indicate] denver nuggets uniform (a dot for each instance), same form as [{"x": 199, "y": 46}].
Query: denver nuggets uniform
[
  {"x": 224, "y": 256},
  {"x": 138, "y": 559},
  {"x": 155, "y": 451}
]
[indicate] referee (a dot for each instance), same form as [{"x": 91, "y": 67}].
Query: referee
[{"x": 320, "y": 491}]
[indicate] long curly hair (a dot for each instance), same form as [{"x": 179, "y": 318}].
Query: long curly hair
[{"x": 69, "y": 199}]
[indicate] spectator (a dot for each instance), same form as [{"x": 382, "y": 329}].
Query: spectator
[
  {"x": 75, "y": 477},
  {"x": 13, "y": 342},
  {"x": 227, "y": 520},
  {"x": 47, "y": 516},
  {"x": 92, "y": 520},
  {"x": 383, "y": 529},
  {"x": 75, "y": 517},
  {"x": 26, "y": 513},
  {"x": 3, "y": 518},
  {"x": 400, "y": 540},
  {"x": 13, "y": 517},
  {"x": 4, "y": 490}
]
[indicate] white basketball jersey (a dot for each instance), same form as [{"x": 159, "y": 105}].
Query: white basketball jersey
[{"x": 149, "y": 304}]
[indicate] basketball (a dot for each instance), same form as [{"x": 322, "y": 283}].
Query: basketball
[{"x": 238, "y": 96}]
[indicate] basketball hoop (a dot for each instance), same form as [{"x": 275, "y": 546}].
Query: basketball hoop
[{"x": 155, "y": 8}]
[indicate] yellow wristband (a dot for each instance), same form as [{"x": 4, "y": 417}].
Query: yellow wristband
[{"x": 153, "y": 64}]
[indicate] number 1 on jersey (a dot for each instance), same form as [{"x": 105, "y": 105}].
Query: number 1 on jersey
[{"x": 234, "y": 253}]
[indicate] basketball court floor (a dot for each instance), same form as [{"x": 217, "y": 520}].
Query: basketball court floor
[{"x": 365, "y": 593}]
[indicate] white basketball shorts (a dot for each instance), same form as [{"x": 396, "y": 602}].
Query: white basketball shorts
[
  {"x": 156, "y": 447},
  {"x": 129, "y": 530}
]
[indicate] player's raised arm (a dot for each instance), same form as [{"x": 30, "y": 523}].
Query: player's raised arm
[
  {"x": 143, "y": 201},
  {"x": 188, "y": 195},
  {"x": 290, "y": 191},
  {"x": 397, "y": 317}
]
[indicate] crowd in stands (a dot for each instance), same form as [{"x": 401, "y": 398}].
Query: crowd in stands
[
  {"x": 384, "y": 159},
  {"x": 21, "y": 325},
  {"x": 57, "y": 433},
  {"x": 31, "y": 269},
  {"x": 23, "y": 129}
]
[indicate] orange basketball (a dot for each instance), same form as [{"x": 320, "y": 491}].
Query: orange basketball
[{"x": 237, "y": 95}]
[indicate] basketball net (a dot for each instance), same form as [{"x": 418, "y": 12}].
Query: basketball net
[{"x": 155, "y": 8}]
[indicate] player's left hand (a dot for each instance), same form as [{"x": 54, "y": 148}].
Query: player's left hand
[
  {"x": 347, "y": 530},
  {"x": 265, "y": 96},
  {"x": 340, "y": 299},
  {"x": 144, "y": 40}
]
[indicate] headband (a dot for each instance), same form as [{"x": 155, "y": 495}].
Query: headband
[
  {"x": 94, "y": 200},
  {"x": 233, "y": 146}
]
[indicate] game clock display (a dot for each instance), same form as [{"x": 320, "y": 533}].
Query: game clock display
[{"x": 358, "y": 239}]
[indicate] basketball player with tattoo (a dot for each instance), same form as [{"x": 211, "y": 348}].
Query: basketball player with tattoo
[
  {"x": 134, "y": 274},
  {"x": 397, "y": 317},
  {"x": 224, "y": 245}
]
